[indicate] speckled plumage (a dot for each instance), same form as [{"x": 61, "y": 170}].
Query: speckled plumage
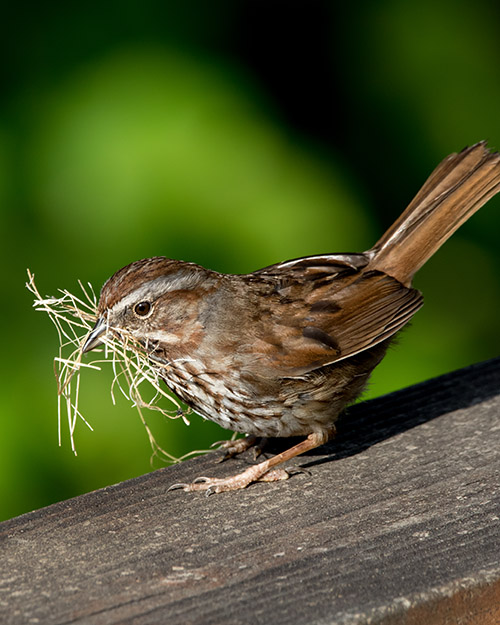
[{"x": 281, "y": 351}]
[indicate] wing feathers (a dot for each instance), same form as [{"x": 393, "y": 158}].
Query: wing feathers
[{"x": 359, "y": 316}]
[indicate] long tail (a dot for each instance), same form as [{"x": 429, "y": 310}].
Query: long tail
[{"x": 455, "y": 190}]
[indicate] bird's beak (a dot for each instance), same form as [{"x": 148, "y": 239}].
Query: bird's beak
[{"x": 94, "y": 338}]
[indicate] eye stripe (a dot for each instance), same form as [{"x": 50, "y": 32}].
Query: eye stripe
[{"x": 146, "y": 292}]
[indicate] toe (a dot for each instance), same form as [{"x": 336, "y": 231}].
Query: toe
[{"x": 274, "y": 475}]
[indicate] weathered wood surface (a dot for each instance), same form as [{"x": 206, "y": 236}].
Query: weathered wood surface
[{"x": 395, "y": 522}]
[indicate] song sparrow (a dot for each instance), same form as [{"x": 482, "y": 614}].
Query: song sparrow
[{"x": 280, "y": 352}]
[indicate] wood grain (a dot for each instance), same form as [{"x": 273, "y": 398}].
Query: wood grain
[{"x": 395, "y": 522}]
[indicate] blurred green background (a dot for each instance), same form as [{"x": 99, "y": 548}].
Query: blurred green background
[{"x": 234, "y": 134}]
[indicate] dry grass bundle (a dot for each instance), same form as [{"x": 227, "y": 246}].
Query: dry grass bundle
[{"x": 74, "y": 317}]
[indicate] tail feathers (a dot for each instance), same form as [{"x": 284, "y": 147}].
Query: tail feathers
[{"x": 455, "y": 190}]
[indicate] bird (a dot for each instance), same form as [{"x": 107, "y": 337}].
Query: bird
[{"x": 281, "y": 351}]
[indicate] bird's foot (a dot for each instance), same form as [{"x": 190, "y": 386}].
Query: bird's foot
[
  {"x": 238, "y": 446},
  {"x": 213, "y": 485},
  {"x": 262, "y": 472}
]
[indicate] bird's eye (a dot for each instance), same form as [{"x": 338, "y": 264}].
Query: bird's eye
[{"x": 142, "y": 309}]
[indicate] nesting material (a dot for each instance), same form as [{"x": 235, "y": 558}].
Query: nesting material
[{"x": 74, "y": 317}]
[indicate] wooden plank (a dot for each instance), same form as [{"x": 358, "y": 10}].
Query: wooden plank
[{"x": 395, "y": 522}]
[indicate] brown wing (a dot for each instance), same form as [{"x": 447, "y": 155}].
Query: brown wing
[
  {"x": 371, "y": 309},
  {"x": 321, "y": 323}
]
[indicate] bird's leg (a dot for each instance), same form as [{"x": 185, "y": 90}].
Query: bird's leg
[{"x": 262, "y": 472}]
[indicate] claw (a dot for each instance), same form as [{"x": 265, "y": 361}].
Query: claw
[
  {"x": 220, "y": 444},
  {"x": 201, "y": 479},
  {"x": 177, "y": 487},
  {"x": 259, "y": 447}
]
